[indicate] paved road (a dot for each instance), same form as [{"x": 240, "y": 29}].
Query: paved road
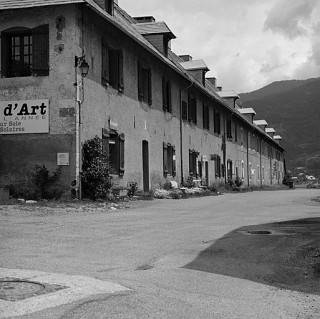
[{"x": 145, "y": 248}]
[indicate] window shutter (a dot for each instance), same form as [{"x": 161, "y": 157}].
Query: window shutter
[
  {"x": 121, "y": 154},
  {"x": 105, "y": 64},
  {"x": 189, "y": 108},
  {"x": 149, "y": 86},
  {"x": 184, "y": 110},
  {"x": 120, "y": 70},
  {"x": 190, "y": 162},
  {"x": 5, "y": 48},
  {"x": 195, "y": 111},
  {"x": 165, "y": 159},
  {"x": 174, "y": 169},
  {"x": 140, "y": 82},
  {"x": 40, "y": 50},
  {"x": 169, "y": 97},
  {"x": 164, "y": 94}
]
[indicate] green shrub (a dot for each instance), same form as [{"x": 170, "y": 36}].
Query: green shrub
[
  {"x": 189, "y": 183},
  {"x": 95, "y": 176},
  {"x": 132, "y": 188},
  {"x": 42, "y": 185},
  {"x": 167, "y": 185}
]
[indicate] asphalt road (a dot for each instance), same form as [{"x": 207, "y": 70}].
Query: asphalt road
[{"x": 155, "y": 249}]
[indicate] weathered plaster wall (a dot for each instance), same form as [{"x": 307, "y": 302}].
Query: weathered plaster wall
[{"x": 22, "y": 151}]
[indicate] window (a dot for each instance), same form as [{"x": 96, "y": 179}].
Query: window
[
  {"x": 235, "y": 132},
  {"x": 229, "y": 129},
  {"x": 242, "y": 137},
  {"x": 258, "y": 144},
  {"x": 184, "y": 107},
  {"x": 113, "y": 145},
  {"x": 193, "y": 162},
  {"x": 112, "y": 67},
  {"x": 169, "y": 160},
  {"x": 216, "y": 121},
  {"x": 109, "y": 6},
  {"x": 25, "y": 52},
  {"x": 166, "y": 95},
  {"x": 205, "y": 113},
  {"x": 144, "y": 84},
  {"x": 229, "y": 169},
  {"x": 217, "y": 166},
  {"x": 192, "y": 109}
]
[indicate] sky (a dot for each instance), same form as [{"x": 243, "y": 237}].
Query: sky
[{"x": 246, "y": 44}]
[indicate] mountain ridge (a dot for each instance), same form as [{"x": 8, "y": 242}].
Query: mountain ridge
[{"x": 291, "y": 107}]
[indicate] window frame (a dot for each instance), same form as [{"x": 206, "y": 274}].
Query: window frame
[
  {"x": 112, "y": 66},
  {"x": 37, "y": 47},
  {"x": 144, "y": 83},
  {"x": 169, "y": 160},
  {"x": 166, "y": 95}
]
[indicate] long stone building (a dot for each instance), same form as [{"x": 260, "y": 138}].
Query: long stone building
[{"x": 157, "y": 113}]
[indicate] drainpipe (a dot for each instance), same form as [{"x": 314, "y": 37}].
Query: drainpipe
[
  {"x": 224, "y": 149},
  {"x": 260, "y": 168},
  {"x": 248, "y": 178},
  {"x": 181, "y": 139}
]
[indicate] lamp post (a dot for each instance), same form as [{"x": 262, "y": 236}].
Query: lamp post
[{"x": 81, "y": 63}]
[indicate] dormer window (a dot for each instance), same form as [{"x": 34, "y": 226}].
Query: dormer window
[
  {"x": 157, "y": 33},
  {"x": 109, "y": 6}
]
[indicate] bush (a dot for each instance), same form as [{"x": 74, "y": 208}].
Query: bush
[
  {"x": 95, "y": 176},
  {"x": 189, "y": 183},
  {"x": 41, "y": 185},
  {"x": 167, "y": 185},
  {"x": 132, "y": 188}
]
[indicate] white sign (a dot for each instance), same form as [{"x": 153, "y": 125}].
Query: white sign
[
  {"x": 62, "y": 159},
  {"x": 21, "y": 117}
]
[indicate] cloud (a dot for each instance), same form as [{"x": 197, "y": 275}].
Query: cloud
[{"x": 290, "y": 17}]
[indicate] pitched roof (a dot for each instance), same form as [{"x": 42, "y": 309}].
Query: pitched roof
[
  {"x": 127, "y": 24},
  {"x": 194, "y": 65},
  {"x": 158, "y": 27},
  {"x": 228, "y": 94},
  {"x": 20, "y": 4},
  {"x": 248, "y": 110},
  {"x": 260, "y": 122}
]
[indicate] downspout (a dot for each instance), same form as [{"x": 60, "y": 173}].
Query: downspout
[
  {"x": 260, "y": 168},
  {"x": 224, "y": 153},
  {"x": 248, "y": 178},
  {"x": 181, "y": 139}
]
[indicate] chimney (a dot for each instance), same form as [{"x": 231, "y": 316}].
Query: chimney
[
  {"x": 186, "y": 57},
  {"x": 219, "y": 88},
  {"x": 213, "y": 81},
  {"x": 146, "y": 19}
]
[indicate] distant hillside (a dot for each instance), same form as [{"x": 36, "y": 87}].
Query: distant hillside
[{"x": 292, "y": 108}]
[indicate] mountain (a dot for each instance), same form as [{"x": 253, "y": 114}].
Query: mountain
[{"x": 292, "y": 108}]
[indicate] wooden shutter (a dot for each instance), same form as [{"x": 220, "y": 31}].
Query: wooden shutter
[
  {"x": 165, "y": 159},
  {"x": 5, "y": 49},
  {"x": 184, "y": 110},
  {"x": 120, "y": 71},
  {"x": 40, "y": 50},
  {"x": 169, "y": 96},
  {"x": 149, "y": 87},
  {"x": 121, "y": 154},
  {"x": 191, "y": 162},
  {"x": 140, "y": 82},
  {"x": 105, "y": 63},
  {"x": 164, "y": 94},
  {"x": 174, "y": 168}
]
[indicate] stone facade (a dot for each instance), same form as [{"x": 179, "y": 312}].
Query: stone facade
[{"x": 148, "y": 129}]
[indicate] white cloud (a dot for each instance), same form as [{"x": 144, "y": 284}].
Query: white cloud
[{"x": 245, "y": 43}]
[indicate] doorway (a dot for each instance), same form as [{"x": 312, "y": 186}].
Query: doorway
[{"x": 145, "y": 165}]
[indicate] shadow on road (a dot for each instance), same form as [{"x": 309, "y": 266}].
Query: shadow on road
[{"x": 283, "y": 254}]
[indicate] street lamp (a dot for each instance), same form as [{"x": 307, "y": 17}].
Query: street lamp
[{"x": 82, "y": 64}]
